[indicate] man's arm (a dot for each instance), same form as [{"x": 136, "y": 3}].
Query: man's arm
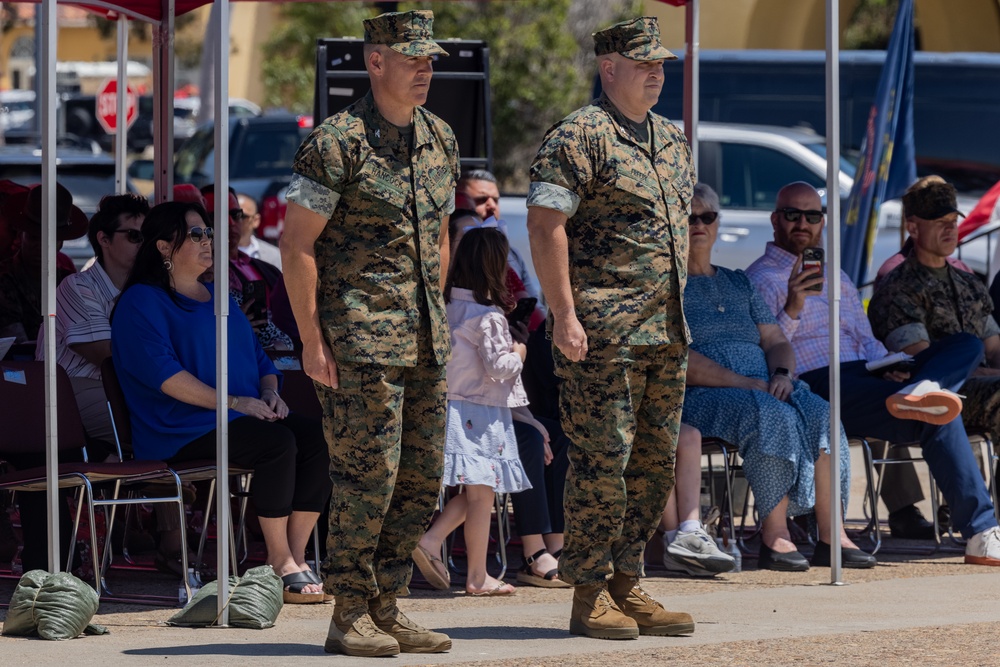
[
  {"x": 550, "y": 254},
  {"x": 444, "y": 245},
  {"x": 298, "y": 256},
  {"x": 992, "y": 345}
]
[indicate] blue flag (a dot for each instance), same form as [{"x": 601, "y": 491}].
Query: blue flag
[{"x": 888, "y": 165}]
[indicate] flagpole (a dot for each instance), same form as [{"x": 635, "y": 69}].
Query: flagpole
[{"x": 833, "y": 273}]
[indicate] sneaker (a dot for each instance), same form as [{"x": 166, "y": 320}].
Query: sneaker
[
  {"x": 925, "y": 401},
  {"x": 698, "y": 553},
  {"x": 984, "y": 548}
]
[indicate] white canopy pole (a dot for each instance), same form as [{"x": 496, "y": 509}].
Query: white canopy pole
[
  {"x": 221, "y": 217},
  {"x": 121, "y": 127},
  {"x": 692, "y": 85},
  {"x": 48, "y": 136},
  {"x": 833, "y": 272}
]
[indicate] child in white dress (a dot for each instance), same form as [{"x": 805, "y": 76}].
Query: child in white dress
[{"x": 484, "y": 383}]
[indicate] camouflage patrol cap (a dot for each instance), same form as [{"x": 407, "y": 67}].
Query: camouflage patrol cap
[
  {"x": 934, "y": 201},
  {"x": 409, "y": 33},
  {"x": 638, "y": 39}
]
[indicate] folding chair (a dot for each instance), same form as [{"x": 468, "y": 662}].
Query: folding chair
[
  {"x": 730, "y": 464},
  {"x": 187, "y": 471},
  {"x": 22, "y": 393},
  {"x": 501, "y": 506}
]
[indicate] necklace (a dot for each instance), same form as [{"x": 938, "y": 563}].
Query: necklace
[{"x": 715, "y": 296}]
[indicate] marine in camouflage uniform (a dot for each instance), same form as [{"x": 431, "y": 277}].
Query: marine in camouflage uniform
[
  {"x": 386, "y": 192},
  {"x": 623, "y": 189},
  {"x": 916, "y": 303}
]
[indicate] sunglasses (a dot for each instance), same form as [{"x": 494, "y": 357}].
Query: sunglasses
[
  {"x": 132, "y": 235},
  {"x": 793, "y": 215},
  {"x": 237, "y": 214},
  {"x": 704, "y": 219},
  {"x": 197, "y": 234}
]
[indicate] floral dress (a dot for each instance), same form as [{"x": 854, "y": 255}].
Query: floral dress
[{"x": 779, "y": 441}]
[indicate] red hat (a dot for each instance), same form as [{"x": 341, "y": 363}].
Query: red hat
[{"x": 23, "y": 212}]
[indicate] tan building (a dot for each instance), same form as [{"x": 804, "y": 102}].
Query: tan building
[{"x": 943, "y": 25}]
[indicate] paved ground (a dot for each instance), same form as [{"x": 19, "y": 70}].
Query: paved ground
[{"x": 918, "y": 607}]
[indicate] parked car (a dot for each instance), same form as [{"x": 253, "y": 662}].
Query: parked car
[
  {"x": 87, "y": 176},
  {"x": 17, "y": 109},
  {"x": 261, "y": 152}
]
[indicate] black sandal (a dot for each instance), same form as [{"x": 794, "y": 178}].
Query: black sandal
[{"x": 550, "y": 580}]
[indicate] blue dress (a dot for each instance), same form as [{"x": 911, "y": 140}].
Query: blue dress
[{"x": 779, "y": 441}]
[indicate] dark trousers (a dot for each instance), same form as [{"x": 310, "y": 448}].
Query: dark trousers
[
  {"x": 289, "y": 459},
  {"x": 946, "y": 448},
  {"x": 539, "y": 510}
]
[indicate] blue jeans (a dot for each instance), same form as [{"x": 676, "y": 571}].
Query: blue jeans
[{"x": 946, "y": 448}]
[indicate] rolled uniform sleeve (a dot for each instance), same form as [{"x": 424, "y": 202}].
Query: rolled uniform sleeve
[
  {"x": 562, "y": 171},
  {"x": 319, "y": 170},
  {"x": 902, "y": 337}
]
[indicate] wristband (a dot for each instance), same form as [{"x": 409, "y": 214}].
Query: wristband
[
  {"x": 781, "y": 371},
  {"x": 234, "y": 402}
]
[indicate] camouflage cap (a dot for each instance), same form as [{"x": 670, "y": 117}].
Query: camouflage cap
[
  {"x": 638, "y": 39},
  {"x": 409, "y": 33},
  {"x": 934, "y": 201}
]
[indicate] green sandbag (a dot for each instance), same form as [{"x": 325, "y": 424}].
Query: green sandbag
[
  {"x": 255, "y": 600},
  {"x": 52, "y": 606}
]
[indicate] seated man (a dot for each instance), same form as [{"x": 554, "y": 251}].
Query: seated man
[
  {"x": 249, "y": 243},
  {"x": 21, "y": 275},
  {"x": 878, "y": 406},
  {"x": 927, "y": 298}
]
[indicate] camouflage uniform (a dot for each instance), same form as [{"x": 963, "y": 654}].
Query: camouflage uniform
[
  {"x": 913, "y": 304},
  {"x": 382, "y": 314},
  {"x": 627, "y": 202}
]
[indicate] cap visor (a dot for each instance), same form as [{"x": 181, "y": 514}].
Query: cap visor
[
  {"x": 657, "y": 53},
  {"x": 419, "y": 49}
]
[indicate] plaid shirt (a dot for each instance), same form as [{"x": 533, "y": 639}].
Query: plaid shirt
[{"x": 810, "y": 334}]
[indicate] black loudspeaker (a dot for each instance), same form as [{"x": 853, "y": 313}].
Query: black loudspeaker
[{"x": 459, "y": 94}]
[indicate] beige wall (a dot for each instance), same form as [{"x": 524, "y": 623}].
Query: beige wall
[{"x": 944, "y": 25}]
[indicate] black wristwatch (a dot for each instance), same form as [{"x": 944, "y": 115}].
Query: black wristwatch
[{"x": 781, "y": 371}]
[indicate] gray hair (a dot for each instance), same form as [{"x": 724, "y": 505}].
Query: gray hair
[
  {"x": 478, "y": 175},
  {"x": 706, "y": 196}
]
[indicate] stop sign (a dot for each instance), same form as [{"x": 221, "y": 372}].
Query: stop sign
[{"x": 107, "y": 106}]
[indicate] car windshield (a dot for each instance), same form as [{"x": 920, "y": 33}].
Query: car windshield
[
  {"x": 87, "y": 183},
  {"x": 848, "y": 163}
]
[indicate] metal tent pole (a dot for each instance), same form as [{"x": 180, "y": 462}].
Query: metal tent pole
[{"x": 692, "y": 84}]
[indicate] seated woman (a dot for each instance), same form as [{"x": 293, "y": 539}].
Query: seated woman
[
  {"x": 740, "y": 389},
  {"x": 687, "y": 548},
  {"x": 163, "y": 345}
]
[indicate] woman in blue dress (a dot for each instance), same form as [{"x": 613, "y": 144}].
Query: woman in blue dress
[{"x": 741, "y": 389}]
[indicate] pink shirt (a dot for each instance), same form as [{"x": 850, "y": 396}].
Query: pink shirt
[
  {"x": 484, "y": 368},
  {"x": 810, "y": 333}
]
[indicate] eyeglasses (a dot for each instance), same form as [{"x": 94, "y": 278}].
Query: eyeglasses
[
  {"x": 197, "y": 234},
  {"x": 793, "y": 214},
  {"x": 237, "y": 214},
  {"x": 132, "y": 235},
  {"x": 706, "y": 218}
]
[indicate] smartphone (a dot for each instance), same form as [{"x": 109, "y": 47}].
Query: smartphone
[
  {"x": 812, "y": 258},
  {"x": 256, "y": 290},
  {"x": 523, "y": 310}
]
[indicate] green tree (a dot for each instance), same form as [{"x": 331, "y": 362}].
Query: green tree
[{"x": 871, "y": 24}]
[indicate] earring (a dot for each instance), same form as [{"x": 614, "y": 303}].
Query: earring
[{"x": 168, "y": 265}]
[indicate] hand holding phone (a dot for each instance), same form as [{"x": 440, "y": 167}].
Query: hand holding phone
[
  {"x": 812, "y": 259},
  {"x": 256, "y": 290}
]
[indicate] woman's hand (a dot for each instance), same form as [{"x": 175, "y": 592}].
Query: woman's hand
[
  {"x": 547, "y": 456},
  {"x": 255, "y": 407},
  {"x": 780, "y": 387},
  {"x": 275, "y": 402}
]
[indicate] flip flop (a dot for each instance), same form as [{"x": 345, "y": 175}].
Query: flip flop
[
  {"x": 550, "y": 579},
  {"x": 427, "y": 563},
  {"x": 500, "y": 589},
  {"x": 315, "y": 578},
  {"x": 294, "y": 582}
]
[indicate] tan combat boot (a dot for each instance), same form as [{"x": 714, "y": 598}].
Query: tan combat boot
[
  {"x": 352, "y": 631},
  {"x": 596, "y": 615},
  {"x": 649, "y": 614},
  {"x": 412, "y": 638}
]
